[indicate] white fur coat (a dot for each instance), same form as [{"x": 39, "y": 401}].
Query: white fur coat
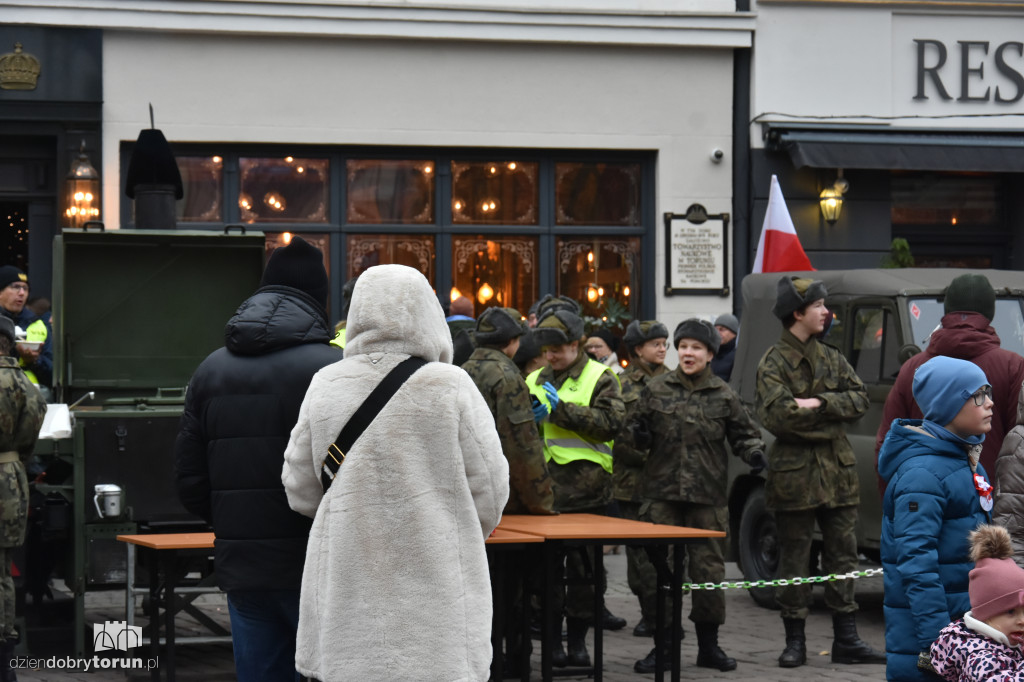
[{"x": 396, "y": 584}]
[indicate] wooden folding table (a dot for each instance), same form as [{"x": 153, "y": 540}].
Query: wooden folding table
[{"x": 593, "y": 530}]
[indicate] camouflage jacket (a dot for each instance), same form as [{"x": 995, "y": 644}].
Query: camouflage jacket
[
  {"x": 629, "y": 461},
  {"x": 585, "y": 485},
  {"x": 811, "y": 463},
  {"x": 505, "y": 393},
  {"x": 22, "y": 409},
  {"x": 693, "y": 421}
]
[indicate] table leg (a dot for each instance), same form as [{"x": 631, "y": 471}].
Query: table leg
[
  {"x": 498, "y": 614},
  {"x": 677, "y": 609},
  {"x": 553, "y": 557},
  {"x": 170, "y": 579},
  {"x": 598, "y": 612},
  {"x": 524, "y": 621},
  {"x": 658, "y": 556},
  {"x": 154, "y": 610}
]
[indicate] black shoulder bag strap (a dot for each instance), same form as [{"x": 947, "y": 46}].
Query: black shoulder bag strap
[{"x": 366, "y": 413}]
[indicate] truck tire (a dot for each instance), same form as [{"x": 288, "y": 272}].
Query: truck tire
[{"x": 759, "y": 548}]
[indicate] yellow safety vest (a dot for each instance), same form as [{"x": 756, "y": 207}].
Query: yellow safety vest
[
  {"x": 34, "y": 332},
  {"x": 563, "y": 445},
  {"x": 339, "y": 338}
]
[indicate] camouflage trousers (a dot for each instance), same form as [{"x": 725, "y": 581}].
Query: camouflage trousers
[
  {"x": 705, "y": 559},
  {"x": 838, "y": 555},
  {"x": 13, "y": 521},
  {"x": 640, "y": 573},
  {"x": 577, "y": 600}
]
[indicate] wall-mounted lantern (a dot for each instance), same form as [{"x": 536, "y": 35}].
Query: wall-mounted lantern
[
  {"x": 831, "y": 199},
  {"x": 83, "y": 191}
]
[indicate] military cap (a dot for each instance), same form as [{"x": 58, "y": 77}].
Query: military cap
[
  {"x": 699, "y": 330},
  {"x": 497, "y": 326},
  {"x": 638, "y": 333},
  {"x": 558, "y": 327},
  {"x": 551, "y": 303},
  {"x": 796, "y": 292}
]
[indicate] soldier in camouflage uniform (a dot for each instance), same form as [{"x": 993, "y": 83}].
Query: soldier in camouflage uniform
[
  {"x": 806, "y": 392},
  {"x": 690, "y": 419},
  {"x": 581, "y": 413},
  {"x": 497, "y": 335},
  {"x": 22, "y": 408},
  {"x": 490, "y": 366},
  {"x": 646, "y": 343}
]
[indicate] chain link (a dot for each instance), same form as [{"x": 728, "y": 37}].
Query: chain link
[{"x": 781, "y": 582}]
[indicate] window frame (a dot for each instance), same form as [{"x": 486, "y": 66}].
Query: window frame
[{"x": 443, "y": 229}]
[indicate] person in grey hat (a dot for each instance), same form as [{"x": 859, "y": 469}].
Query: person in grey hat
[
  {"x": 581, "y": 413},
  {"x": 806, "y": 393},
  {"x": 728, "y": 327},
  {"x": 646, "y": 344},
  {"x": 497, "y": 335}
]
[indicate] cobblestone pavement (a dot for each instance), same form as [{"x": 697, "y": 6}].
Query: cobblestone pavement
[{"x": 753, "y": 635}]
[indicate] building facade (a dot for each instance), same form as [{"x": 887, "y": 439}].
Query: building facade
[
  {"x": 917, "y": 106},
  {"x": 506, "y": 152}
]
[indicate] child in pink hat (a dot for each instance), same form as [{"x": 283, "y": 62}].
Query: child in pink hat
[{"x": 986, "y": 643}]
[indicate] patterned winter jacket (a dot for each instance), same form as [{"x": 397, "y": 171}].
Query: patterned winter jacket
[{"x": 968, "y": 650}]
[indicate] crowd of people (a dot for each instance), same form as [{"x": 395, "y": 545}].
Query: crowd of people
[{"x": 353, "y": 477}]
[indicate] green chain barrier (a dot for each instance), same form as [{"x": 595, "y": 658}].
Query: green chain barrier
[{"x": 747, "y": 584}]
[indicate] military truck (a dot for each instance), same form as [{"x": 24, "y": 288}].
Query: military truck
[{"x": 882, "y": 318}]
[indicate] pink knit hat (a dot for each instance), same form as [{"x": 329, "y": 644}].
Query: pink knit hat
[{"x": 997, "y": 583}]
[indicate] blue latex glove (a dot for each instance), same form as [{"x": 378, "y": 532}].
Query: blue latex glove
[
  {"x": 540, "y": 410},
  {"x": 552, "y": 394}
]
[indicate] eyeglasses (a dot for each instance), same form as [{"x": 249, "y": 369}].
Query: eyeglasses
[
  {"x": 18, "y": 286},
  {"x": 981, "y": 395}
]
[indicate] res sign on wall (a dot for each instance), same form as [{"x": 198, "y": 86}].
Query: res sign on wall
[{"x": 958, "y": 65}]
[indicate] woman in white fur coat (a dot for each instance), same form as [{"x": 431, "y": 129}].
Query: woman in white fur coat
[{"x": 396, "y": 585}]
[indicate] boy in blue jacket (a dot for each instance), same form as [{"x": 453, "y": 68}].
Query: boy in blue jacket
[{"x": 936, "y": 494}]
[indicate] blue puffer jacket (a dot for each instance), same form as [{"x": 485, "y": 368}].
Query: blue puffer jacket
[{"x": 930, "y": 506}]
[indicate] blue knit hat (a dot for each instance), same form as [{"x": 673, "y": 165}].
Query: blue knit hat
[{"x": 942, "y": 386}]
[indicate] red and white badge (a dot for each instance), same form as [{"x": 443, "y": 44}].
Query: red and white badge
[{"x": 984, "y": 489}]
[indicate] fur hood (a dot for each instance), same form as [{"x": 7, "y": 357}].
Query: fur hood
[{"x": 407, "y": 319}]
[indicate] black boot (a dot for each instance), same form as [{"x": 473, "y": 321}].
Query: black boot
[
  {"x": 558, "y": 657},
  {"x": 610, "y": 621},
  {"x": 709, "y": 654},
  {"x": 795, "y": 653},
  {"x": 577, "y": 629},
  {"x": 848, "y": 647},
  {"x": 643, "y": 629},
  {"x": 649, "y": 664}
]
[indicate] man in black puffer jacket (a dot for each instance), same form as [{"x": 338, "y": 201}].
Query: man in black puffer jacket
[{"x": 240, "y": 407}]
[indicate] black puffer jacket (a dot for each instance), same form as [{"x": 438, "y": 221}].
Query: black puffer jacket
[{"x": 240, "y": 408}]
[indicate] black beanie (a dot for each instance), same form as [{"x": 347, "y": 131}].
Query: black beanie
[
  {"x": 299, "y": 265},
  {"x": 607, "y": 337},
  {"x": 10, "y": 274},
  {"x": 699, "y": 330},
  {"x": 498, "y": 326},
  {"x": 970, "y": 293}
]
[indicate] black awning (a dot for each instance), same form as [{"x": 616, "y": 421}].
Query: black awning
[{"x": 994, "y": 153}]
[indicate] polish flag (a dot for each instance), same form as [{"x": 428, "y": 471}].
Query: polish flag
[{"x": 779, "y": 248}]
